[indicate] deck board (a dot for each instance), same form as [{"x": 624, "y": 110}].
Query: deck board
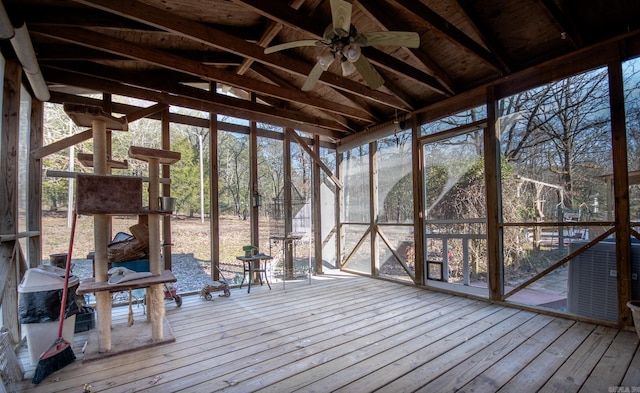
[
  {"x": 543, "y": 367},
  {"x": 350, "y": 333},
  {"x": 572, "y": 374},
  {"x": 467, "y": 370},
  {"x": 613, "y": 365}
]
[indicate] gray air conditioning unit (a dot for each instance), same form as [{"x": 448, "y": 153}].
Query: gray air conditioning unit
[{"x": 592, "y": 287}]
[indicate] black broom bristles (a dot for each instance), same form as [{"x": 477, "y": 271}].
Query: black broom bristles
[
  {"x": 58, "y": 356},
  {"x": 60, "y": 353}
]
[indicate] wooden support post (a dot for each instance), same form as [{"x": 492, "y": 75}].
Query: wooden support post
[
  {"x": 8, "y": 194},
  {"x": 155, "y": 293},
  {"x": 101, "y": 239},
  {"x": 339, "y": 201},
  {"x": 254, "y": 209},
  {"x": 35, "y": 185},
  {"x": 214, "y": 220},
  {"x": 288, "y": 213},
  {"x": 100, "y": 122},
  {"x": 418, "y": 208},
  {"x": 494, "y": 205},
  {"x": 166, "y": 191},
  {"x": 621, "y": 190},
  {"x": 317, "y": 209},
  {"x": 373, "y": 207}
]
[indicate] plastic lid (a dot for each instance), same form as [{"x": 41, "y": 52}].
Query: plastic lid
[{"x": 45, "y": 278}]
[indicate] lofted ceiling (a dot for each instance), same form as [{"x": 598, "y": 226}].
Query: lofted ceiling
[{"x": 169, "y": 51}]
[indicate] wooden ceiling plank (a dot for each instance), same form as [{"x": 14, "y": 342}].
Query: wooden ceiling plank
[
  {"x": 451, "y": 32},
  {"x": 68, "y": 16},
  {"x": 224, "y": 41},
  {"x": 95, "y": 18},
  {"x": 567, "y": 29},
  {"x": 160, "y": 58},
  {"x": 489, "y": 40},
  {"x": 285, "y": 15}
]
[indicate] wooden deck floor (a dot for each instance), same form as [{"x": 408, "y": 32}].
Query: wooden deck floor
[{"x": 355, "y": 334}]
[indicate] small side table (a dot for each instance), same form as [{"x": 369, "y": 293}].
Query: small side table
[{"x": 252, "y": 265}]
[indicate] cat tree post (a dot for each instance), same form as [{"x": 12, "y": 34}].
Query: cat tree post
[
  {"x": 99, "y": 121},
  {"x": 155, "y": 293}
]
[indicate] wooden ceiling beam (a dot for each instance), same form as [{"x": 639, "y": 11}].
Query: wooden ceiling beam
[
  {"x": 95, "y": 18},
  {"x": 451, "y": 32},
  {"x": 357, "y": 101},
  {"x": 172, "y": 87},
  {"x": 72, "y": 52},
  {"x": 224, "y": 41},
  {"x": 64, "y": 143},
  {"x": 389, "y": 22},
  {"x": 300, "y": 22},
  {"x": 160, "y": 58},
  {"x": 397, "y": 66},
  {"x": 176, "y": 118},
  {"x": 266, "y": 73},
  {"x": 212, "y": 103},
  {"x": 487, "y": 38},
  {"x": 79, "y": 16},
  {"x": 286, "y": 15},
  {"x": 267, "y": 36}
]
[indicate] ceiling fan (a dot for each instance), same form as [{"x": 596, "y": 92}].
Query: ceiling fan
[{"x": 344, "y": 43}]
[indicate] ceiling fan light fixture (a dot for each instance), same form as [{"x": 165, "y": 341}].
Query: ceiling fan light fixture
[
  {"x": 352, "y": 52},
  {"x": 325, "y": 61},
  {"x": 348, "y": 68}
]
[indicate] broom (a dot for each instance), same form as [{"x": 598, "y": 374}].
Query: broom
[{"x": 60, "y": 353}]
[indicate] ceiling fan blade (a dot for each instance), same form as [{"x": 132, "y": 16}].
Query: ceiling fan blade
[
  {"x": 370, "y": 75},
  {"x": 289, "y": 45},
  {"x": 341, "y": 16},
  {"x": 393, "y": 38},
  {"x": 313, "y": 77}
]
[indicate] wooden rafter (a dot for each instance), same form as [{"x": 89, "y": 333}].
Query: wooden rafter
[
  {"x": 167, "y": 85},
  {"x": 451, "y": 32},
  {"x": 386, "y": 21},
  {"x": 562, "y": 22},
  {"x": 482, "y": 31},
  {"x": 222, "y": 40},
  {"x": 176, "y": 63},
  {"x": 224, "y": 105},
  {"x": 298, "y": 21}
]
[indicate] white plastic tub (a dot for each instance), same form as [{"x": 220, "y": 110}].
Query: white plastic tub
[{"x": 40, "y": 336}]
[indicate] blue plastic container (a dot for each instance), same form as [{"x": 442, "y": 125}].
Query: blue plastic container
[{"x": 137, "y": 265}]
